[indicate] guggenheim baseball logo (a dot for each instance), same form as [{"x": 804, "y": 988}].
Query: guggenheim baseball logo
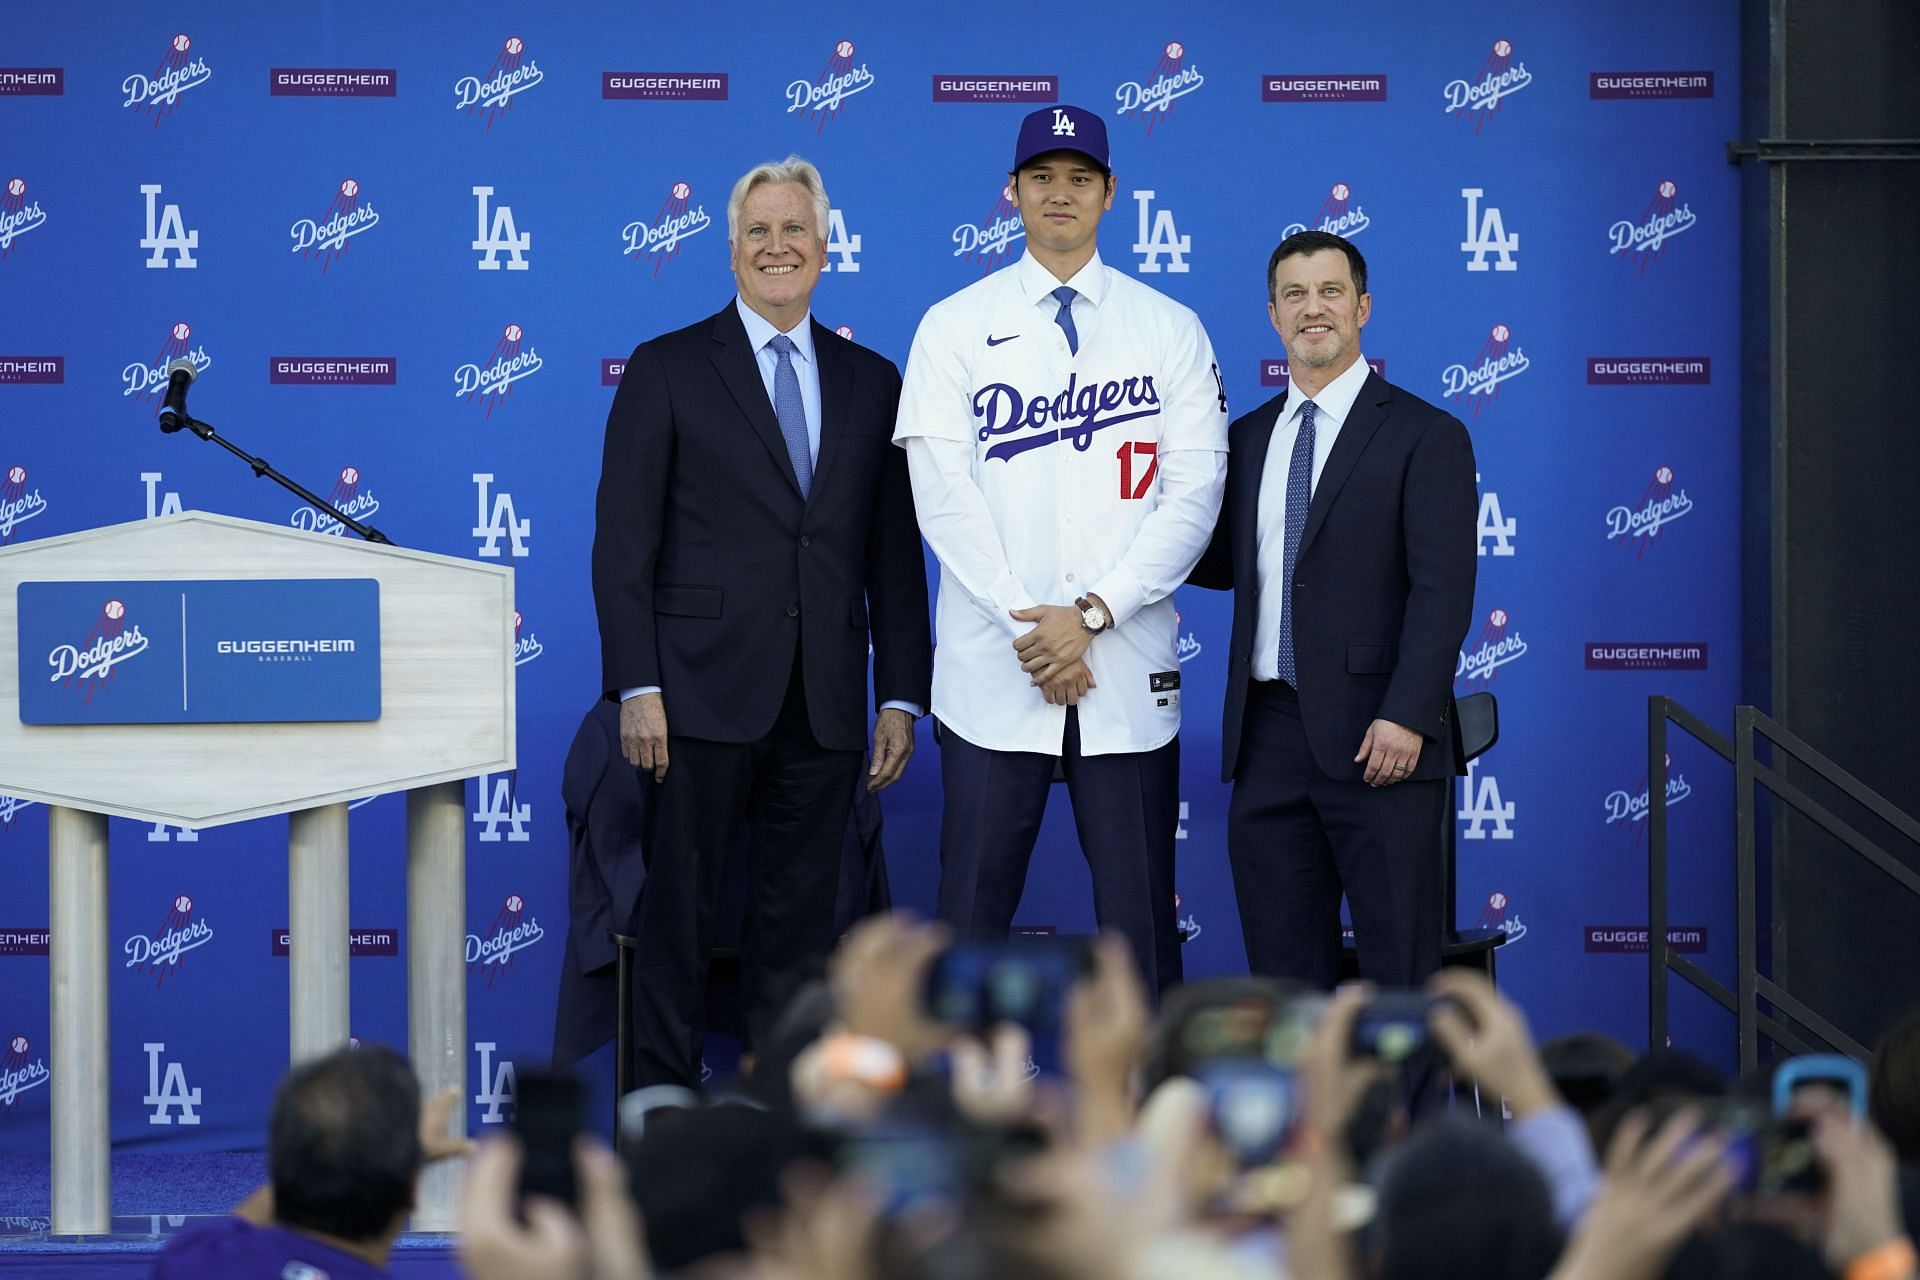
[
  {"x": 1500, "y": 359},
  {"x": 331, "y": 371},
  {"x": 18, "y": 504},
  {"x": 1646, "y": 371},
  {"x": 37, "y": 82},
  {"x": 1650, "y": 84},
  {"x": 1354, "y": 86},
  {"x": 160, "y": 953},
  {"x": 1643, "y": 239},
  {"x": 1172, "y": 78},
  {"x": 824, "y": 97},
  {"x": 958, "y": 88},
  {"x": 491, "y": 95},
  {"x": 88, "y": 664},
  {"x": 18, "y": 216},
  {"x": 493, "y": 382},
  {"x": 685, "y": 86},
  {"x": 347, "y": 215},
  {"x": 1498, "y": 79},
  {"x": 1624, "y": 655},
  {"x": 658, "y": 242},
  {"x": 179, "y": 71},
  {"x": 333, "y": 82}
]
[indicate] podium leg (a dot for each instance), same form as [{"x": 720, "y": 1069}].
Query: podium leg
[
  {"x": 82, "y": 1137},
  {"x": 317, "y": 993},
  {"x": 437, "y": 974}
]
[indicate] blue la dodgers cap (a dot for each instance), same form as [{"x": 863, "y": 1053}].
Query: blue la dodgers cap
[{"x": 1062, "y": 128}]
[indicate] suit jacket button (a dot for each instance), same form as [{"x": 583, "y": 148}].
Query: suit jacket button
[
  {"x": 805, "y": 541},
  {"x": 793, "y": 611}
]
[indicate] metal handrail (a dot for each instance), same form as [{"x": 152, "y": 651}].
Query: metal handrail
[{"x": 1751, "y": 985}]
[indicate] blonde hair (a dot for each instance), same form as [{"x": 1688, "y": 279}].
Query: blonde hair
[{"x": 792, "y": 169}]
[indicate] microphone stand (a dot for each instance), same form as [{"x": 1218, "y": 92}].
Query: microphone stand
[{"x": 261, "y": 467}]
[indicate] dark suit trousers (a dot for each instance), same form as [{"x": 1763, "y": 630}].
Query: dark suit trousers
[
  {"x": 794, "y": 793},
  {"x": 1126, "y": 807},
  {"x": 1297, "y": 839}
]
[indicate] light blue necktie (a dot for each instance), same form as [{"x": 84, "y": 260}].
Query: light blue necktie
[
  {"x": 1299, "y": 498},
  {"x": 792, "y": 412},
  {"x": 1065, "y": 317}
]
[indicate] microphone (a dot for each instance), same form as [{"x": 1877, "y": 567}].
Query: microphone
[{"x": 173, "y": 411}]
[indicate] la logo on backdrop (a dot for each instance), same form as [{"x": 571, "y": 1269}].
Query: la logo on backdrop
[
  {"x": 1172, "y": 78},
  {"x": 507, "y": 364},
  {"x": 324, "y": 239},
  {"x": 1499, "y": 78},
  {"x": 489, "y": 97},
  {"x": 18, "y": 504},
  {"x": 158, "y": 94},
  {"x": 1643, "y": 239},
  {"x": 160, "y": 953},
  {"x": 1500, "y": 359},
  {"x": 17, "y": 216},
  {"x": 657, "y": 243},
  {"x": 514, "y": 929},
  {"x": 989, "y": 242},
  {"x": 149, "y": 381},
  {"x": 824, "y": 98},
  {"x": 20, "y": 1073}
]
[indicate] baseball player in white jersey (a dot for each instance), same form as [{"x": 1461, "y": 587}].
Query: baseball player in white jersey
[{"x": 1066, "y": 433}]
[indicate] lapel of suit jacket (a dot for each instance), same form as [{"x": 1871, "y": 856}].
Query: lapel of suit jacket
[
  {"x": 1251, "y": 460},
  {"x": 836, "y": 393},
  {"x": 1369, "y": 411},
  {"x": 734, "y": 359}
]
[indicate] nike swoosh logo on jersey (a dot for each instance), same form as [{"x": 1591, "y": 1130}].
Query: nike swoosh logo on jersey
[{"x": 994, "y": 342}]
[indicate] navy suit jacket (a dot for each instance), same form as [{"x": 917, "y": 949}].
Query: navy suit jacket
[
  {"x": 1383, "y": 586},
  {"x": 709, "y": 566}
]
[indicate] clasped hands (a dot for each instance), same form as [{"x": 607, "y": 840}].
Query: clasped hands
[{"x": 1054, "y": 652}]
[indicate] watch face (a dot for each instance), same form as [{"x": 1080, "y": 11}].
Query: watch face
[{"x": 1093, "y": 618}]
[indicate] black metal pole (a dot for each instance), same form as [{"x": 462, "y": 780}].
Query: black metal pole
[{"x": 261, "y": 467}]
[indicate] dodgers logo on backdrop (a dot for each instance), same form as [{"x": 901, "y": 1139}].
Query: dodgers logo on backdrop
[
  {"x": 1498, "y": 914},
  {"x": 1163, "y": 238},
  {"x": 499, "y": 1086},
  {"x": 1495, "y": 524},
  {"x": 18, "y": 504},
  {"x": 825, "y": 97},
  {"x": 1630, "y": 807},
  {"x": 17, "y": 217},
  {"x": 658, "y": 241},
  {"x": 507, "y": 364},
  {"x": 1497, "y": 645},
  {"x": 1499, "y": 78},
  {"x": 150, "y": 380},
  {"x": 9, "y": 807},
  {"x": 1641, "y": 524},
  {"x": 491, "y": 96},
  {"x": 1339, "y": 215},
  {"x": 1172, "y": 78},
  {"x": 526, "y": 645},
  {"x": 840, "y": 245},
  {"x": 513, "y": 930},
  {"x": 1500, "y": 359},
  {"x": 497, "y": 800},
  {"x": 167, "y": 233},
  {"x": 1075, "y": 414},
  {"x": 1643, "y": 239},
  {"x": 88, "y": 665},
  {"x": 1487, "y": 233},
  {"x": 160, "y": 952},
  {"x": 491, "y": 524},
  {"x": 1188, "y": 925},
  {"x": 348, "y": 496},
  {"x": 170, "y": 1093},
  {"x": 19, "y": 1073},
  {"x": 491, "y": 238},
  {"x": 323, "y": 239},
  {"x": 989, "y": 241},
  {"x": 159, "y": 93},
  {"x": 1481, "y": 807},
  {"x": 1187, "y": 647}
]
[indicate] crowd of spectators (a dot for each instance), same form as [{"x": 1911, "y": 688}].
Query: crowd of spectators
[{"x": 1249, "y": 1130}]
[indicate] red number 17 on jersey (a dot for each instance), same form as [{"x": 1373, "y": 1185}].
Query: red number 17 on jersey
[{"x": 1127, "y": 453}]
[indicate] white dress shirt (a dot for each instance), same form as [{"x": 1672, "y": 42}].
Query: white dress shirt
[
  {"x": 1040, "y": 475},
  {"x": 1332, "y": 407}
]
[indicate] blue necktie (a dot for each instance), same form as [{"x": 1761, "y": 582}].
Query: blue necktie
[
  {"x": 792, "y": 412},
  {"x": 1065, "y": 317},
  {"x": 1299, "y": 498}
]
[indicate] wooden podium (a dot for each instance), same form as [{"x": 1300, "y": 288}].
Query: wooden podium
[{"x": 446, "y": 714}]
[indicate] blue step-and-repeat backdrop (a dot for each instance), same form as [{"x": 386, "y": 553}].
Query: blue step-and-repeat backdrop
[{"x": 408, "y": 247}]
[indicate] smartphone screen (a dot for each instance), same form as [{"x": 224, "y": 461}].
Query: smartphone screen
[{"x": 549, "y": 1112}]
